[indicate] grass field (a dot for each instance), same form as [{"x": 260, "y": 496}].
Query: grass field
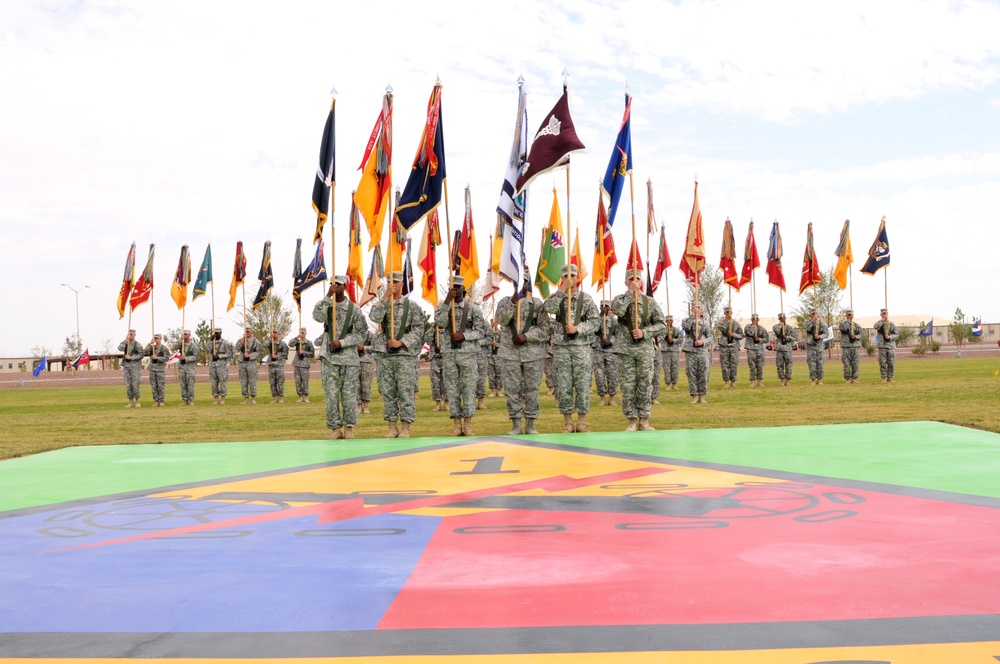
[{"x": 958, "y": 391}]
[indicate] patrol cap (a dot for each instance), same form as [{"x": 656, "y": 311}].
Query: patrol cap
[
  {"x": 670, "y": 316},
  {"x": 569, "y": 270},
  {"x": 634, "y": 273},
  {"x": 278, "y": 332},
  {"x": 781, "y": 315},
  {"x": 302, "y": 329},
  {"x": 849, "y": 312},
  {"x": 248, "y": 331},
  {"x": 754, "y": 316},
  {"x": 458, "y": 280},
  {"x": 340, "y": 279},
  {"x": 218, "y": 329},
  {"x": 157, "y": 336},
  {"x": 727, "y": 310},
  {"x": 605, "y": 303},
  {"x": 186, "y": 332},
  {"x": 397, "y": 275},
  {"x": 883, "y": 311},
  {"x": 131, "y": 331}
]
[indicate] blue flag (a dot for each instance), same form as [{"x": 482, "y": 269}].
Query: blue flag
[
  {"x": 878, "y": 254},
  {"x": 422, "y": 192},
  {"x": 314, "y": 273},
  {"x": 204, "y": 274},
  {"x": 620, "y": 164},
  {"x": 927, "y": 330},
  {"x": 977, "y": 328},
  {"x": 42, "y": 365},
  {"x": 266, "y": 276},
  {"x": 325, "y": 173}
]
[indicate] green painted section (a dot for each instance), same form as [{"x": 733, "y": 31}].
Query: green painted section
[{"x": 927, "y": 455}]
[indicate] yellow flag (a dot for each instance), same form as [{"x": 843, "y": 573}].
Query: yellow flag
[
  {"x": 577, "y": 259},
  {"x": 372, "y": 195},
  {"x": 844, "y": 256}
]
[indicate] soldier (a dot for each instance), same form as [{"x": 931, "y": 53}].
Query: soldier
[
  {"x": 885, "y": 339},
  {"x": 670, "y": 353},
  {"x": 189, "y": 350},
  {"x": 785, "y": 337},
  {"x": 463, "y": 325},
  {"x": 367, "y": 359},
  {"x": 339, "y": 358},
  {"x": 572, "y": 331},
  {"x": 729, "y": 333},
  {"x": 248, "y": 352},
  {"x": 277, "y": 358},
  {"x": 494, "y": 366},
  {"x": 815, "y": 331},
  {"x": 850, "y": 347},
  {"x": 605, "y": 359},
  {"x": 755, "y": 338},
  {"x": 158, "y": 354},
  {"x": 304, "y": 352},
  {"x": 639, "y": 320},
  {"x": 697, "y": 348},
  {"x": 524, "y": 331},
  {"x": 483, "y": 364},
  {"x": 654, "y": 394},
  {"x": 435, "y": 361},
  {"x": 218, "y": 368},
  {"x": 132, "y": 354},
  {"x": 549, "y": 368},
  {"x": 401, "y": 339}
]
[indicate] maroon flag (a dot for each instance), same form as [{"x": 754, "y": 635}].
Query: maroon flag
[
  {"x": 634, "y": 258},
  {"x": 662, "y": 261},
  {"x": 728, "y": 259},
  {"x": 144, "y": 285},
  {"x": 810, "y": 266},
  {"x": 693, "y": 259},
  {"x": 775, "y": 276},
  {"x": 554, "y": 141},
  {"x": 751, "y": 261}
]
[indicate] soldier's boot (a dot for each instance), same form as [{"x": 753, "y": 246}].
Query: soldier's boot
[
  {"x": 457, "y": 431},
  {"x": 281, "y": 399},
  {"x": 137, "y": 404},
  {"x": 515, "y": 429},
  {"x": 812, "y": 381},
  {"x": 633, "y": 424},
  {"x": 611, "y": 400},
  {"x": 404, "y": 431},
  {"x": 568, "y": 423},
  {"x": 349, "y": 433},
  {"x": 581, "y": 423},
  {"x": 760, "y": 383},
  {"x": 253, "y": 400},
  {"x": 694, "y": 398},
  {"x": 222, "y": 401},
  {"x": 246, "y": 400},
  {"x": 299, "y": 400},
  {"x": 306, "y": 400},
  {"x": 437, "y": 407},
  {"x": 393, "y": 431},
  {"x": 701, "y": 398},
  {"x": 644, "y": 425},
  {"x": 529, "y": 427},
  {"x": 131, "y": 403},
  {"x": 481, "y": 404},
  {"x": 655, "y": 401},
  {"x": 336, "y": 434},
  {"x": 467, "y": 427},
  {"x": 819, "y": 381}
]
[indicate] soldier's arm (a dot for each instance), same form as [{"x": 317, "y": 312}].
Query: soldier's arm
[
  {"x": 505, "y": 311},
  {"x": 442, "y": 316},
  {"x": 412, "y": 339},
  {"x": 541, "y": 330},
  {"x": 356, "y": 334},
  {"x": 478, "y": 326},
  {"x": 551, "y": 304},
  {"x": 321, "y": 311},
  {"x": 592, "y": 316},
  {"x": 619, "y": 305}
]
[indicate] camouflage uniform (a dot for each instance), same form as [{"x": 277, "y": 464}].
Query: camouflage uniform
[
  {"x": 522, "y": 366},
  {"x": 785, "y": 337},
  {"x": 549, "y": 367},
  {"x": 248, "y": 366},
  {"x": 189, "y": 350},
  {"x": 571, "y": 355},
  {"x": 635, "y": 357},
  {"x": 436, "y": 363},
  {"x": 367, "y": 359},
  {"x": 340, "y": 367},
  {"x": 605, "y": 359},
  {"x": 302, "y": 359},
  {"x": 483, "y": 364},
  {"x": 755, "y": 340},
  {"x": 276, "y": 368},
  {"x": 494, "y": 366},
  {"x": 396, "y": 378},
  {"x": 886, "y": 344},
  {"x": 218, "y": 367},
  {"x": 697, "y": 359},
  {"x": 461, "y": 358},
  {"x": 131, "y": 368},
  {"x": 850, "y": 348},
  {"x": 815, "y": 332},
  {"x": 654, "y": 393},
  {"x": 158, "y": 354},
  {"x": 729, "y": 333},
  {"x": 670, "y": 354}
]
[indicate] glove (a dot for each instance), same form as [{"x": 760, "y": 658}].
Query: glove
[
  {"x": 154, "y": 360},
  {"x": 215, "y": 358},
  {"x": 302, "y": 356},
  {"x": 184, "y": 360}
]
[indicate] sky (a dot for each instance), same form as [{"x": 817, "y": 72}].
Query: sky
[{"x": 194, "y": 123}]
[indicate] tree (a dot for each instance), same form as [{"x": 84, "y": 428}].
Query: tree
[
  {"x": 960, "y": 331},
  {"x": 710, "y": 293},
  {"x": 825, "y": 298},
  {"x": 41, "y": 351},
  {"x": 72, "y": 347},
  {"x": 272, "y": 314},
  {"x": 204, "y": 335}
]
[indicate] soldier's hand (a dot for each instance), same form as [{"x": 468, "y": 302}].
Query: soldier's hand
[
  {"x": 183, "y": 360},
  {"x": 457, "y": 336},
  {"x": 302, "y": 356},
  {"x": 638, "y": 334},
  {"x": 451, "y": 295},
  {"x": 215, "y": 358},
  {"x": 335, "y": 344},
  {"x": 699, "y": 343},
  {"x": 606, "y": 343},
  {"x": 329, "y": 291},
  {"x": 246, "y": 356},
  {"x": 395, "y": 343},
  {"x": 361, "y": 346},
  {"x": 570, "y": 328},
  {"x": 519, "y": 339}
]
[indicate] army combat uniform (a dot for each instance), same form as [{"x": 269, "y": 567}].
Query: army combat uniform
[
  {"x": 276, "y": 369},
  {"x": 785, "y": 337},
  {"x": 303, "y": 352},
  {"x": 218, "y": 367},
  {"x": 729, "y": 334},
  {"x": 367, "y": 358},
  {"x": 755, "y": 338},
  {"x": 435, "y": 361},
  {"x": 396, "y": 376},
  {"x": 885, "y": 339},
  {"x": 850, "y": 347},
  {"x": 605, "y": 360},
  {"x": 461, "y": 358},
  {"x": 521, "y": 351},
  {"x": 815, "y": 346},
  {"x": 670, "y": 353},
  {"x": 340, "y": 366},
  {"x": 635, "y": 356},
  {"x": 189, "y": 350},
  {"x": 698, "y": 359},
  {"x": 248, "y": 366},
  {"x": 158, "y": 354},
  {"x": 132, "y": 354}
]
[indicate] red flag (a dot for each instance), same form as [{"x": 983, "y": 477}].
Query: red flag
[
  {"x": 662, "y": 261},
  {"x": 427, "y": 258},
  {"x": 727, "y": 262},
  {"x": 83, "y": 359},
  {"x": 604, "y": 248},
  {"x": 634, "y": 258},
  {"x": 693, "y": 260},
  {"x": 810, "y": 266},
  {"x": 751, "y": 261},
  {"x": 467, "y": 254},
  {"x": 775, "y": 276},
  {"x": 127, "y": 282},
  {"x": 144, "y": 285}
]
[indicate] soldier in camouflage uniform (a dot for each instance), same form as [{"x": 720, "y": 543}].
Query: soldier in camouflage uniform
[
  {"x": 670, "y": 353},
  {"x": 850, "y": 347},
  {"x": 785, "y": 337},
  {"x": 729, "y": 334},
  {"x": 248, "y": 352},
  {"x": 218, "y": 367},
  {"x": 132, "y": 354},
  {"x": 815, "y": 331},
  {"x": 654, "y": 394},
  {"x": 158, "y": 354},
  {"x": 303, "y": 353},
  {"x": 755, "y": 338},
  {"x": 494, "y": 365},
  {"x": 367, "y": 359},
  {"x": 464, "y": 326},
  {"x": 549, "y": 368},
  {"x": 483, "y": 364},
  {"x": 605, "y": 359},
  {"x": 697, "y": 348},
  {"x": 401, "y": 339},
  {"x": 338, "y": 355},
  {"x": 523, "y": 332},
  {"x": 276, "y": 367},
  {"x": 435, "y": 361},
  {"x": 572, "y": 332},
  {"x": 189, "y": 350},
  {"x": 635, "y": 329},
  {"x": 885, "y": 339}
]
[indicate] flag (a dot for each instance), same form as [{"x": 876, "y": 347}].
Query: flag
[
  {"x": 355, "y": 276},
  {"x": 427, "y": 259},
  {"x": 397, "y": 246},
  {"x": 751, "y": 261},
  {"x": 204, "y": 275},
  {"x": 693, "y": 258},
  {"x": 239, "y": 274},
  {"x": 175, "y": 358},
  {"x": 927, "y": 330},
  {"x": 620, "y": 164},
  {"x": 326, "y": 174},
  {"x": 179, "y": 289},
  {"x": 977, "y": 328},
  {"x": 422, "y": 192},
  {"x": 492, "y": 285},
  {"x": 372, "y": 195},
  {"x": 662, "y": 261},
  {"x": 314, "y": 273},
  {"x": 143, "y": 288},
  {"x": 577, "y": 260},
  {"x": 467, "y": 254},
  {"x": 43, "y": 364},
  {"x": 83, "y": 359},
  {"x": 407, "y": 271},
  {"x": 509, "y": 240},
  {"x": 456, "y": 261},
  {"x": 774, "y": 252},
  {"x": 375, "y": 275},
  {"x": 878, "y": 254},
  {"x": 554, "y": 141},
  {"x": 297, "y": 262},
  {"x": 552, "y": 255},
  {"x": 265, "y": 277},
  {"x": 634, "y": 257},
  {"x": 604, "y": 247},
  {"x": 650, "y": 214},
  {"x": 727, "y": 261},
  {"x": 810, "y": 266},
  {"x": 127, "y": 282},
  {"x": 844, "y": 255}
]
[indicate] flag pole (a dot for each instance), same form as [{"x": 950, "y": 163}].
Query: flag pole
[
  {"x": 333, "y": 232},
  {"x": 635, "y": 294},
  {"x": 451, "y": 256},
  {"x": 567, "y": 252},
  {"x": 213, "y": 315},
  {"x": 388, "y": 269}
]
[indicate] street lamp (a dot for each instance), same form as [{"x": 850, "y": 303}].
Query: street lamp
[{"x": 76, "y": 292}]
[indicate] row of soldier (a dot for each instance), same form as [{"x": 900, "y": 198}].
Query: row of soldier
[{"x": 624, "y": 342}]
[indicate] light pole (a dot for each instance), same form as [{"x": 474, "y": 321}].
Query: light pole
[{"x": 76, "y": 292}]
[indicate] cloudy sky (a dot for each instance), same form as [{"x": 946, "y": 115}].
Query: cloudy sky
[{"x": 199, "y": 122}]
